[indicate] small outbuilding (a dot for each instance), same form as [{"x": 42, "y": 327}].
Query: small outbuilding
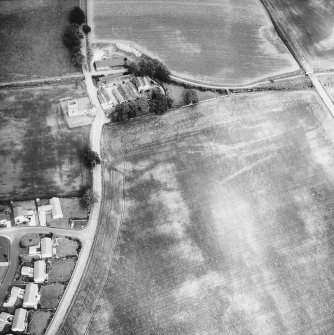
[
  {"x": 31, "y": 296},
  {"x": 40, "y": 275},
  {"x": 20, "y": 320},
  {"x": 27, "y": 271}
]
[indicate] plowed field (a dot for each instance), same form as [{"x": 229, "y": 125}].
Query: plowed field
[
  {"x": 228, "y": 221},
  {"x": 217, "y": 41}
]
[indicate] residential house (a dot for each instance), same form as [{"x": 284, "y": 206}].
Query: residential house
[
  {"x": 15, "y": 293},
  {"x": 5, "y": 319},
  {"x": 19, "y": 216},
  {"x": 56, "y": 209},
  {"x": 20, "y": 320},
  {"x": 46, "y": 247},
  {"x": 31, "y": 296},
  {"x": 27, "y": 271},
  {"x": 40, "y": 275},
  {"x": 5, "y": 220}
]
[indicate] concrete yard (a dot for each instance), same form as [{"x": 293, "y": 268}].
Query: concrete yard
[{"x": 227, "y": 222}]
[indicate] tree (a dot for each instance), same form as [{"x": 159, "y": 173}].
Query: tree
[
  {"x": 92, "y": 158},
  {"x": 71, "y": 36},
  {"x": 89, "y": 198},
  {"x": 86, "y": 29},
  {"x": 190, "y": 97},
  {"x": 158, "y": 103},
  {"x": 77, "y": 15},
  {"x": 77, "y": 59}
]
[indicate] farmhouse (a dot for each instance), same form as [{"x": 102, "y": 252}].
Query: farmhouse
[
  {"x": 15, "y": 293},
  {"x": 5, "y": 319},
  {"x": 109, "y": 64},
  {"x": 31, "y": 296},
  {"x": 20, "y": 320},
  {"x": 40, "y": 275},
  {"x": 79, "y": 107}
]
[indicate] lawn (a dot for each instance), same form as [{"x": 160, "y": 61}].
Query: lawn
[
  {"x": 227, "y": 221},
  {"x": 39, "y": 322},
  {"x": 31, "y": 39},
  {"x": 223, "y": 42},
  {"x": 309, "y": 23},
  {"x": 66, "y": 247},
  {"x": 60, "y": 271},
  {"x": 40, "y": 156},
  {"x": 51, "y": 295}
]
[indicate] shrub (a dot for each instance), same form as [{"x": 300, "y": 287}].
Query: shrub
[
  {"x": 89, "y": 198},
  {"x": 92, "y": 158},
  {"x": 77, "y": 15},
  {"x": 190, "y": 97}
]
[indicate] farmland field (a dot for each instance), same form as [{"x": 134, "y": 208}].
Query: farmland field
[
  {"x": 310, "y": 24},
  {"x": 217, "y": 41},
  {"x": 31, "y": 39},
  {"x": 228, "y": 221},
  {"x": 40, "y": 156}
]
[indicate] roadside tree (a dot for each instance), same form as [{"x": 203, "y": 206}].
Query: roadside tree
[
  {"x": 89, "y": 198},
  {"x": 86, "y": 29},
  {"x": 71, "y": 36},
  {"x": 77, "y": 59},
  {"x": 190, "y": 97},
  {"x": 77, "y": 15},
  {"x": 92, "y": 158}
]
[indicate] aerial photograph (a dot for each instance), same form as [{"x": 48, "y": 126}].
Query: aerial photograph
[{"x": 167, "y": 167}]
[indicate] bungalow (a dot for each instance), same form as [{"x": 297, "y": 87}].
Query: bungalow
[
  {"x": 35, "y": 249},
  {"x": 31, "y": 296},
  {"x": 56, "y": 209},
  {"x": 5, "y": 319},
  {"x": 46, "y": 247},
  {"x": 5, "y": 219},
  {"x": 20, "y": 320},
  {"x": 109, "y": 64},
  {"x": 19, "y": 216},
  {"x": 15, "y": 293},
  {"x": 40, "y": 275}
]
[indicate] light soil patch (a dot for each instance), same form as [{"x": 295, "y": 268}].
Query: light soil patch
[
  {"x": 39, "y": 322},
  {"x": 221, "y": 42},
  {"x": 51, "y": 295},
  {"x": 227, "y": 220},
  {"x": 40, "y": 156},
  {"x": 60, "y": 271}
]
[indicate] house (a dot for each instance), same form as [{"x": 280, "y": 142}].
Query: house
[
  {"x": 31, "y": 296},
  {"x": 5, "y": 319},
  {"x": 19, "y": 216},
  {"x": 35, "y": 249},
  {"x": 56, "y": 209},
  {"x": 109, "y": 64},
  {"x": 20, "y": 320},
  {"x": 27, "y": 271},
  {"x": 46, "y": 247},
  {"x": 15, "y": 293},
  {"x": 5, "y": 219},
  {"x": 40, "y": 275}
]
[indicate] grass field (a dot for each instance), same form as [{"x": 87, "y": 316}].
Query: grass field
[
  {"x": 40, "y": 156},
  {"x": 31, "y": 39},
  {"x": 39, "y": 322},
  {"x": 67, "y": 247},
  {"x": 310, "y": 23},
  {"x": 227, "y": 222},
  {"x": 51, "y": 295},
  {"x": 230, "y": 42},
  {"x": 61, "y": 270}
]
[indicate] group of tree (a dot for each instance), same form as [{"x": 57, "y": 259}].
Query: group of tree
[
  {"x": 159, "y": 103},
  {"x": 126, "y": 111},
  {"x": 190, "y": 97},
  {"x": 72, "y": 35},
  {"x": 89, "y": 198},
  {"x": 150, "y": 67}
]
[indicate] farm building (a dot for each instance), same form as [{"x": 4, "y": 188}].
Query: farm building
[
  {"x": 27, "y": 271},
  {"x": 15, "y": 293},
  {"x": 40, "y": 275},
  {"x": 79, "y": 107},
  {"x": 56, "y": 209},
  {"x": 31, "y": 296},
  {"x": 20, "y": 320},
  {"x": 109, "y": 64},
  {"x": 5, "y": 319}
]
